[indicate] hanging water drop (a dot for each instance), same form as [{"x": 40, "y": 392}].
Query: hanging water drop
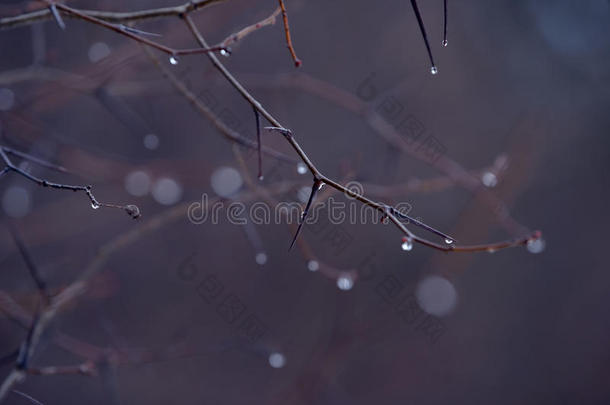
[
  {"x": 301, "y": 168},
  {"x": 261, "y": 177},
  {"x": 95, "y": 205},
  {"x": 489, "y": 179},
  {"x": 407, "y": 244},
  {"x": 225, "y": 53},
  {"x": 444, "y": 43},
  {"x": 536, "y": 245},
  {"x": 345, "y": 283},
  {"x": 448, "y": 241},
  {"x": 261, "y": 258},
  {"x": 173, "y": 60},
  {"x": 277, "y": 360},
  {"x": 434, "y": 70},
  {"x": 313, "y": 265}
]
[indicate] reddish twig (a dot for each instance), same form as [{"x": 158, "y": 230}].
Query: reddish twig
[
  {"x": 297, "y": 61},
  {"x": 239, "y": 35}
]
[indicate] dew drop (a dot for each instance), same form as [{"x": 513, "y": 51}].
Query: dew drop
[
  {"x": 444, "y": 43},
  {"x": 489, "y": 179},
  {"x": 301, "y": 168},
  {"x": 407, "y": 244},
  {"x": 448, "y": 241},
  {"x": 491, "y": 250},
  {"x": 225, "y": 53},
  {"x": 173, "y": 60},
  {"x": 132, "y": 210},
  {"x": 345, "y": 283},
  {"x": 536, "y": 245},
  {"x": 261, "y": 258},
  {"x": 434, "y": 70},
  {"x": 95, "y": 205},
  {"x": 261, "y": 177},
  {"x": 277, "y": 360},
  {"x": 313, "y": 265}
]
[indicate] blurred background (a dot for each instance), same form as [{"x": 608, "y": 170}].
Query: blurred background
[{"x": 510, "y": 136}]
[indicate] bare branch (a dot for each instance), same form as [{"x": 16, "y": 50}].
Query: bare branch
[
  {"x": 131, "y": 210},
  {"x": 110, "y": 16},
  {"x": 241, "y": 34}
]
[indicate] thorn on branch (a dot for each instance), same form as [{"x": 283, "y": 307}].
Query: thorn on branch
[
  {"x": 284, "y": 131},
  {"x": 433, "y": 68},
  {"x": 317, "y": 185},
  {"x": 137, "y": 31},
  {"x": 57, "y": 16},
  {"x": 259, "y": 144}
]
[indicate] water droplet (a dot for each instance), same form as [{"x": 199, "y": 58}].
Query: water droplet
[
  {"x": 277, "y": 360},
  {"x": 313, "y": 265},
  {"x": 448, "y": 241},
  {"x": 225, "y": 53},
  {"x": 95, "y": 205},
  {"x": 173, "y": 60},
  {"x": 226, "y": 181},
  {"x": 345, "y": 283},
  {"x": 137, "y": 183},
  {"x": 436, "y": 295},
  {"x": 434, "y": 70},
  {"x": 489, "y": 179},
  {"x": 151, "y": 141},
  {"x": 301, "y": 168},
  {"x": 407, "y": 244},
  {"x": 16, "y": 201},
  {"x": 261, "y": 258},
  {"x": 7, "y": 99},
  {"x": 491, "y": 250},
  {"x": 132, "y": 210},
  {"x": 98, "y": 51},
  {"x": 166, "y": 191},
  {"x": 444, "y": 43},
  {"x": 536, "y": 245},
  {"x": 320, "y": 186},
  {"x": 261, "y": 177}
]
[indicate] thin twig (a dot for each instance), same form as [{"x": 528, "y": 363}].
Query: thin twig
[
  {"x": 241, "y": 34},
  {"x": 111, "y": 16},
  {"x": 117, "y": 28},
  {"x": 297, "y": 61},
  {"x": 444, "y": 43},
  {"x": 29, "y": 397},
  {"x": 131, "y": 210},
  {"x": 33, "y": 269}
]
